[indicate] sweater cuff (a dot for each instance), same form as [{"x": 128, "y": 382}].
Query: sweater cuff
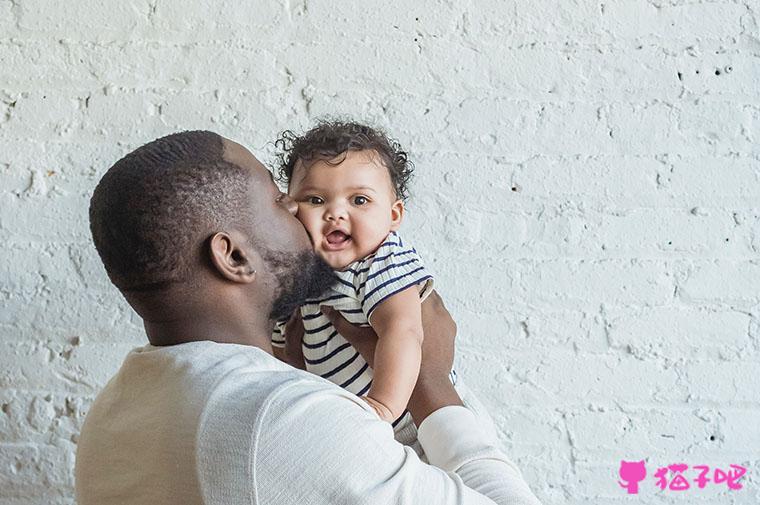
[{"x": 451, "y": 436}]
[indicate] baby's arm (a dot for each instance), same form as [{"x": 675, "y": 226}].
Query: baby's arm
[{"x": 398, "y": 324}]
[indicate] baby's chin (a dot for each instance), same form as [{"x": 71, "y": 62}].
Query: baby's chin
[{"x": 337, "y": 260}]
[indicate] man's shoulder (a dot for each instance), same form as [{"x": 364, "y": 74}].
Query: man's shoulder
[
  {"x": 239, "y": 378},
  {"x": 182, "y": 381},
  {"x": 200, "y": 387},
  {"x": 207, "y": 367},
  {"x": 192, "y": 414}
]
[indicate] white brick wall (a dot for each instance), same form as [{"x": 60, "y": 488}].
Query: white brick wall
[{"x": 598, "y": 163}]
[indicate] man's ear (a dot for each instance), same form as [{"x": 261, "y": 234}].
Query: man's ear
[
  {"x": 230, "y": 258},
  {"x": 397, "y": 214}
]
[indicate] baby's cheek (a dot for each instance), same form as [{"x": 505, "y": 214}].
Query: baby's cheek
[
  {"x": 301, "y": 216},
  {"x": 307, "y": 220},
  {"x": 309, "y": 231}
]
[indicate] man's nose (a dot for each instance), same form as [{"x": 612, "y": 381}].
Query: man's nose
[{"x": 289, "y": 203}]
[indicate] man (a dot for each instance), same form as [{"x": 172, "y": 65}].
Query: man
[{"x": 206, "y": 249}]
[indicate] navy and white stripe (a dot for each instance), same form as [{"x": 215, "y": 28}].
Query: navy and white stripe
[
  {"x": 278, "y": 339},
  {"x": 361, "y": 288}
]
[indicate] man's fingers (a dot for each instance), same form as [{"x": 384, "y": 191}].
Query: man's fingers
[
  {"x": 350, "y": 332},
  {"x": 363, "y": 339},
  {"x": 339, "y": 322},
  {"x": 293, "y": 340},
  {"x": 294, "y": 327}
]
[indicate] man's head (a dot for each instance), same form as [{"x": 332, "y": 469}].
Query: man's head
[{"x": 192, "y": 212}]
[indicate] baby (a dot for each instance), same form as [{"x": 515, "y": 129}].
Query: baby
[{"x": 350, "y": 183}]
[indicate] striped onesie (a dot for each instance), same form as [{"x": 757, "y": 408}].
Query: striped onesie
[{"x": 359, "y": 289}]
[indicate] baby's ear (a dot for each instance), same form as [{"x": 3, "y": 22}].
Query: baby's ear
[{"x": 397, "y": 214}]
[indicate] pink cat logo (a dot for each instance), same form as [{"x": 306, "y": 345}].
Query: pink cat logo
[
  {"x": 632, "y": 472},
  {"x": 673, "y": 478}
]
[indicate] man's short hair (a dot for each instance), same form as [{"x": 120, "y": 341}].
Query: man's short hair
[{"x": 154, "y": 209}]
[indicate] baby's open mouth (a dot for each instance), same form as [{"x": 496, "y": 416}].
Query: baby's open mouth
[{"x": 337, "y": 239}]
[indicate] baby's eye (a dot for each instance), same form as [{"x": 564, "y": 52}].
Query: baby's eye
[
  {"x": 360, "y": 200},
  {"x": 315, "y": 200}
]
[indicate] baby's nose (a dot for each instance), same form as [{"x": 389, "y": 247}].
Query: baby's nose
[{"x": 335, "y": 212}]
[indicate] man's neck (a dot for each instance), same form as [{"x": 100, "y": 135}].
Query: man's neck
[
  {"x": 192, "y": 330},
  {"x": 177, "y": 318}
]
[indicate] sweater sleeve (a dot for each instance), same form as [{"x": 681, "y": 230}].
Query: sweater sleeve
[
  {"x": 454, "y": 441},
  {"x": 322, "y": 445}
]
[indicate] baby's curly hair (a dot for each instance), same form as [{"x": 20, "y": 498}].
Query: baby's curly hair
[{"x": 331, "y": 138}]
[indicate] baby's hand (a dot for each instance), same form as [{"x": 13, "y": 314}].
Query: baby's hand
[{"x": 382, "y": 411}]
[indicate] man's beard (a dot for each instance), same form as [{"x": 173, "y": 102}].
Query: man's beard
[{"x": 301, "y": 276}]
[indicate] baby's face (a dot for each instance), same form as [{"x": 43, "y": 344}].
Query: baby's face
[{"x": 347, "y": 209}]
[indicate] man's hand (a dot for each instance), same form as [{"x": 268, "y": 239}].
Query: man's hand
[
  {"x": 440, "y": 326},
  {"x": 293, "y": 333},
  {"x": 433, "y": 389},
  {"x": 363, "y": 338}
]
